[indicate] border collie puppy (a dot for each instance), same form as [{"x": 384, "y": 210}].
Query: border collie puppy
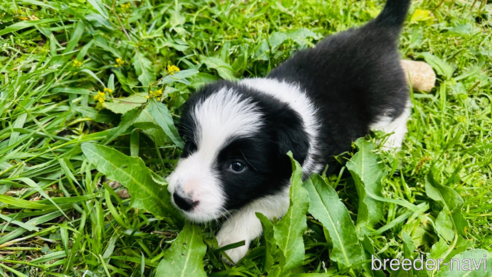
[{"x": 315, "y": 104}]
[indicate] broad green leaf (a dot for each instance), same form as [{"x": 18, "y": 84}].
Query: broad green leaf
[
  {"x": 471, "y": 263},
  {"x": 276, "y": 39},
  {"x": 367, "y": 172},
  {"x": 463, "y": 29},
  {"x": 126, "y": 104},
  {"x": 300, "y": 35},
  {"x": 448, "y": 197},
  {"x": 102, "y": 116},
  {"x": 326, "y": 207},
  {"x": 177, "y": 44},
  {"x": 224, "y": 69},
  {"x": 162, "y": 117},
  {"x": 202, "y": 79},
  {"x": 422, "y": 16},
  {"x": 271, "y": 244},
  {"x": 289, "y": 230},
  {"x": 132, "y": 173},
  {"x": 409, "y": 245},
  {"x": 126, "y": 121},
  {"x": 262, "y": 50},
  {"x": 185, "y": 256},
  {"x": 125, "y": 82},
  {"x": 143, "y": 68},
  {"x": 177, "y": 17},
  {"x": 147, "y": 124},
  {"x": 444, "y": 225},
  {"x": 370, "y": 254},
  {"x": 460, "y": 221},
  {"x": 179, "y": 77},
  {"x": 461, "y": 245},
  {"x": 441, "y": 67}
]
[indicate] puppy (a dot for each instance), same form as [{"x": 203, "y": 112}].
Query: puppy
[{"x": 315, "y": 104}]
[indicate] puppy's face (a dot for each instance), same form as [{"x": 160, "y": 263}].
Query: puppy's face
[{"x": 234, "y": 152}]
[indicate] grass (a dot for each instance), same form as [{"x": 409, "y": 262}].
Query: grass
[{"x": 60, "y": 217}]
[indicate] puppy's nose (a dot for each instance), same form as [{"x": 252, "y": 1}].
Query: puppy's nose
[{"x": 184, "y": 203}]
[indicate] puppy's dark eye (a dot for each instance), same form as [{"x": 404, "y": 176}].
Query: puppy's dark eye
[{"x": 237, "y": 167}]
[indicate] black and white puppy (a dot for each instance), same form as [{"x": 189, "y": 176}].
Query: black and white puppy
[{"x": 315, "y": 104}]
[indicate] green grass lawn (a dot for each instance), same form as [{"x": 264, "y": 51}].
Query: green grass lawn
[{"x": 89, "y": 91}]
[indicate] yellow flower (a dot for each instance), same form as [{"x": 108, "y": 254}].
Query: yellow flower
[
  {"x": 100, "y": 96},
  {"x": 119, "y": 62},
  {"x": 172, "y": 69},
  {"x": 159, "y": 99},
  {"x": 126, "y": 6},
  {"x": 77, "y": 63},
  {"x": 108, "y": 90},
  {"x": 155, "y": 94}
]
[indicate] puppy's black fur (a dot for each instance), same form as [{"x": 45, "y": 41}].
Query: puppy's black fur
[{"x": 353, "y": 77}]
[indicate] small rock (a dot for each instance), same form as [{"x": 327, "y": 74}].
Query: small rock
[{"x": 123, "y": 193}]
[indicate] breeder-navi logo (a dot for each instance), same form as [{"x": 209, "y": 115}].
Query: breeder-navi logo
[{"x": 429, "y": 264}]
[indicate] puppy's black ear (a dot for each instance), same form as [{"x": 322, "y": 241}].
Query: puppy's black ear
[{"x": 291, "y": 135}]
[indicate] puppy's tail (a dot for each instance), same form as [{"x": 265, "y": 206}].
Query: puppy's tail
[{"x": 393, "y": 14}]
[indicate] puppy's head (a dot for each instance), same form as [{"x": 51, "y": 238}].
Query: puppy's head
[{"x": 235, "y": 151}]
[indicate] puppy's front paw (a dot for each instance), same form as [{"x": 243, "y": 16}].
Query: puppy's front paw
[{"x": 235, "y": 254}]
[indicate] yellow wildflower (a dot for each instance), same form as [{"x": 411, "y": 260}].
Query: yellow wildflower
[
  {"x": 77, "y": 63},
  {"x": 159, "y": 99},
  {"x": 119, "y": 62},
  {"x": 172, "y": 69},
  {"x": 108, "y": 90},
  {"x": 155, "y": 94},
  {"x": 126, "y": 6},
  {"x": 100, "y": 96}
]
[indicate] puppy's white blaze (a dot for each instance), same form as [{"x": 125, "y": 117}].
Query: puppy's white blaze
[
  {"x": 223, "y": 115},
  {"x": 218, "y": 118},
  {"x": 297, "y": 99},
  {"x": 397, "y": 126}
]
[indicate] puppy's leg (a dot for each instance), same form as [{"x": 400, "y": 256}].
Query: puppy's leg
[
  {"x": 244, "y": 225},
  {"x": 397, "y": 127}
]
